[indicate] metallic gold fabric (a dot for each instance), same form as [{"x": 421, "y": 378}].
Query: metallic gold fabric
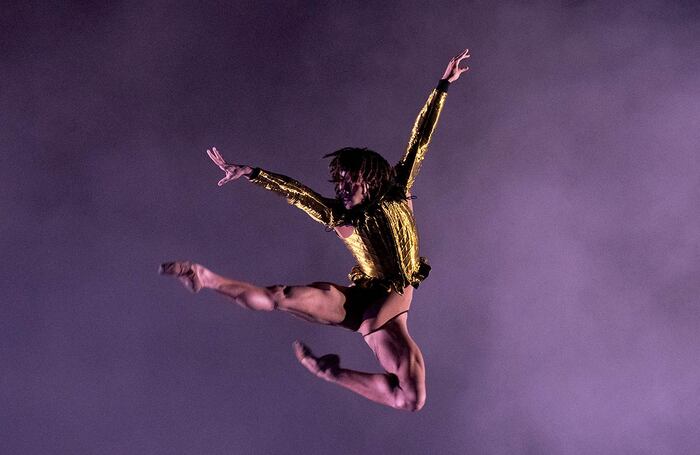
[
  {"x": 385, "y": 239},
  {"x": 322, "y": 209},
  {"x": 385, "y": 245},
  {"x": 408, "y": 167}
]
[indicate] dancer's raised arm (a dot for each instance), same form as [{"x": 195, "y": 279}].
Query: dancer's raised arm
[
  {"x": 407, "y": 169},
  {"x": 322, "y": 209}
]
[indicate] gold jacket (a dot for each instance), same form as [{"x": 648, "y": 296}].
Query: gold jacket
[{"x": 384, "y": 240}]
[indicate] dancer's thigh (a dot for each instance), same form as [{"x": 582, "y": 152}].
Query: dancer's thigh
[
  {"x": 399, "y": 354},
  {"x": 320, "y": 302}
]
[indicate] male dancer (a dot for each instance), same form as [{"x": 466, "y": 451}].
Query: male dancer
[{"x": 373, "y": 215}]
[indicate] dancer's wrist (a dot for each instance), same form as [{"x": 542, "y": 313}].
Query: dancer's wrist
[{"x": 251, "y": 172}]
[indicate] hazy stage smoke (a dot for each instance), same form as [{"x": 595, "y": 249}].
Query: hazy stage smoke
[{"x": 558, "y": 207}]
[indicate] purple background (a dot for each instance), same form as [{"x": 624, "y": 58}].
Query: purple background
[{"x": 558, "y": 206}]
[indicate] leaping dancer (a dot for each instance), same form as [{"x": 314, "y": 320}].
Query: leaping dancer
[{"x": 373, "y": 215}]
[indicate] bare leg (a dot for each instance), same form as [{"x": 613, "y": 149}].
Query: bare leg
[
  {"x": 403, "y": 384},
  {"x": 318, "y": 302}
]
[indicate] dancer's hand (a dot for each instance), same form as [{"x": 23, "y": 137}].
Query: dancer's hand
[
  {"x": 233, "y": 171},
  {"x": 453, "y": 70}
]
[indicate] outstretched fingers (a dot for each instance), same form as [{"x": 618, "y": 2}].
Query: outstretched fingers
[
  {"x": 216, "y": 159},
  {"x": 464, "y": 55},
  {"x": 453, "y": 70},
  {"x": 218, "y": 155},
  {"x": 226, "y": 179}
]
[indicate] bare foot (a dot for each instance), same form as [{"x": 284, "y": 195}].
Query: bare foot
[
  {"x": 185, "y": 271},
  {"x": 325, "y": 367}
]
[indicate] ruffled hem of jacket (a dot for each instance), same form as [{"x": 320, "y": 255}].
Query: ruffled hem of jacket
[{"x": 397, "y": 284}]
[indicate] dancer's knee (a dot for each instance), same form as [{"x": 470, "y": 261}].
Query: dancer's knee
[
  {"x": 317, "y": 302},
  {"x": 411, "y": 390},
  {"x": 278, "y": 296},
  {"x": 284, "y": 297},
  {"x": 406, "y": 397},
  {"x": 412, "y": 400},
  {"x": 258, "y": 299}
]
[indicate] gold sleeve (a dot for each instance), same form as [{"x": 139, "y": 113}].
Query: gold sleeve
[
  {"x": 407, "y": 169},
  {"x": 316, "y": 206}
]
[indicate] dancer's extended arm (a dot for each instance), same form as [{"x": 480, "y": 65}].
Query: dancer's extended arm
[
  {"x": 407, "y": 169},
  {"x": 321, "y": 209}
]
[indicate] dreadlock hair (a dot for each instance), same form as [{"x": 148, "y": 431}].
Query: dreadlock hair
[{"x": 374, "y": 170}]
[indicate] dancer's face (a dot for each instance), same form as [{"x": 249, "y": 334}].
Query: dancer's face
[{"x": 352, "y": 192}]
